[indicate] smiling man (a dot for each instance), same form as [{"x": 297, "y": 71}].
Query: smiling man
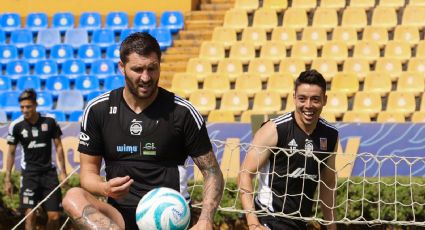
[{"x": 289, "y": 177}]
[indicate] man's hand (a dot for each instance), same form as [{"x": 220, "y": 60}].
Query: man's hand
[
  {"x": 118, "y": 187},
  {"x": 203, "y": 224},
  {"x": 8, "y": 188}
]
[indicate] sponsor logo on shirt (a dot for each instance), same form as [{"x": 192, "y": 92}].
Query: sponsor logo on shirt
[
  {"x": 10, "y": 138},
  {"x": 127, "y": 148},
  {"x": 44, "y": 127},
  {"x": 34, "y": 145},
  {"x": 24, "y": 133},
  {"x": 84, "y": 137},
  {"x": 136, "y": 127},
  {"x": 34, "y": 132},
  {"x": 149, "y": 149},
  {"x": 300, "y": 173}
]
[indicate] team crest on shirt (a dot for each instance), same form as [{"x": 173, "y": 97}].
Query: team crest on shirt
[
  {"x": 34, "y": 132},
  {"x": 293, "y": 146},
  {"x": 136, "y": 127},
  {"x": 323, "y": 143},
  {"x": 308, "y": 147},
  {"x": 44, "y": 127},
  {"x": 24, "y": 133}
]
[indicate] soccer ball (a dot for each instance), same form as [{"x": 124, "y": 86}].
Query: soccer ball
[{"x": 163, "y": 209}]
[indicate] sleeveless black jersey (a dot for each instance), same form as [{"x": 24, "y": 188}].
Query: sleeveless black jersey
[
  {"x": 290, "y": 177},
  {"x": 36, "y": 141},
  {"x": 148, "y": 146}
]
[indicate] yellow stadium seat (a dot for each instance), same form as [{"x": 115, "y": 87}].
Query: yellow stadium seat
[
  {"x": 277, "y": 5},
  {"x": 416, "y": 64},
  {"x": 281, "y": 83},
  {"x": 375, "y": 34},
  {"x": 397, "y": 4},
  {"x": 230, "y": 67},
  {"x": 200, "y": 67},
  {"x": 273, "y": 50},
  {"x": 217, "y": 83},
  {"x": 385, "y": 17},
  {"x": 213, "y": 51},
  {"x": 390, "y": 66},
  {"x": 416, "y": 3},
  {"x": 418, "y": 117},
  {"x": 326, "y": 66},
  {"x": 412, "y": 82},
  {"x": 261, "y": 67},
  {"x": 221, "y": 116},
  {"x": 235, "y": 101},
  {"x": 248, "y": 83},
  {"x": 377, "y": 82},
  {"x": 255, "y": 35},
  {"x": 354, "y": 17},
  {"x": 408, "y": 34},
  {"x": 367, "y": 102},
  {"x": 265, "y": 18},
  {"x": 290, "y": 103},
  {"x": 337, "y": 103},
  {"x": 247, "y": 5},
  {"x": 295, "y": 18},
  {"x": 224, "y": 35},
  {"x": 293, "y": 66},
  {"x": 367, "y": 50},
  {"x": 236, "y": 19},
  {"x": 357, "y": 117},
  {"x": 336, "y": 50},
  {"x": 420, "y": 49},
  {"x": 390, "y": 117},
  {"x": 203, "y": 100},
  {"x": 398, "y": 50},
  {"x": 330, "y": 117},
  {"x": 347, "y": 83},
  {"x": 326, "y": 18},
  {"x": 365, "y": 4},
  {"x": 286, "y": 35},
  {"x": 413, "y": 16},
  {"x": 401, "y": 102},
  {"x": 304, "y": 4},
  {"x": 184, "y": 84},
  {"x": 267, "y": 102},
  {"x": 304, "y": 50},
  {"x": 247, "y": 115},
  {"x": 242, "y": 50},
  {"x": 357, "y": 66},
  {"x": 348, "y": 35},
  {"x": 316, "y": 35},
  {"x": 333, "y": 4}
]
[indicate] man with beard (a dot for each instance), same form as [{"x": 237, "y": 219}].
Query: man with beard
[
  {"x": 143, "y": 133},
  {"x": 289, "y": 177}
]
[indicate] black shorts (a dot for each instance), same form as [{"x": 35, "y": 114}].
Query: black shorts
[
  {"x": 279, "y": 222},
  {"x": 35, "y": 186}
]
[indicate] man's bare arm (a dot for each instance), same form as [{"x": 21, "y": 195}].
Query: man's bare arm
[
  {"x": 61, "y": 155},
  {"x": 10, "y": 160},
  {"x": 213, "y": 184}
]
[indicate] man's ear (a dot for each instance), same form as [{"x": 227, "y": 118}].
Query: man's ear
[{"x": 121, "y": 67}]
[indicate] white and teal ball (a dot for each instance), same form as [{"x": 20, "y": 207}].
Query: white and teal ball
[{"x": 163, "y": 209}]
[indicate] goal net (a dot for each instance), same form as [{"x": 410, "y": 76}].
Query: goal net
[{"x": 370, "y": 189}]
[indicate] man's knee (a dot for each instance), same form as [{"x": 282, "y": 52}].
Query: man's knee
[
  {"x": 72, "y": 200},
  {"x": 53, "y": 216}
]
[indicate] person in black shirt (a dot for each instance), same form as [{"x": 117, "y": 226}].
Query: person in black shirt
[
  {"x": 289, "y": 177},
  {"x": 143, "y": 133},
  {"x": 35, "y": 133}
]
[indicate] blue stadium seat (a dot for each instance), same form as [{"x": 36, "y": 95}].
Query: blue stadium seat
[
  {"x": 113, "y": 82},
  {"x": 9, "y": 101},
  {"x": 87, "y": 83},
  {"x": 5, "y": 83},
  {"x": 8, "y": 53},
  {"x": 102, "y": 68},
  {"x": 36, "y": 21},
  {"x": 93, "y": 94},
  {"x": 17, "y": 68},
  {"x": 70, "y": 100},
  {"x": 116, "y": 21},
  {"x": 10, "y": 22},
  {"x": 2, "y": 36},
  {"x": 34, "y": 53},
  {"x": 59, "y": 115},
  {"x": 15, "y": 115},
  {"x": 172, "y": 20},
  {"x": 73, "y": 67},
  {"x": 3, "y": 116},
  {"x": 76, "y": 37},
  {"x": 61, "y": 52},
  {"x": 113, "y": 53},
  {"x": 57, "y": 83},
  {"x": 125, "y": 32},
  {"x": 28, "y": 81},
  {"x": 90, "y": 21},
  {"x": 63, "y": 21},
  {"x": 44, "y": 100},
  {"x": 49, "y": 37},
  {"x": 89, "y": 52},
  {"x": 163, "y": 36},
  {"x": 46, "y": 68},
  {"x": 103, "y": 37},
  {"x": 144, "y": 21},
  {"x": 75, "y": 116},
  {"x": 21, "y": 38}
]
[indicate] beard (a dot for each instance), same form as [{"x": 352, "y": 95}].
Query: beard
[{"x": 150, "y": 87}]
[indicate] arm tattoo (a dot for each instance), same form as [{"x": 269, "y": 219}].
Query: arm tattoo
[
  {"x": 213, "y": 184},
  {"x": 93, "y": 219}
]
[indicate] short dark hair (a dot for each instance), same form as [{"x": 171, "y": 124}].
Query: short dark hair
[
  {"x": 28, "y": 94},
  {"x": 141, "y": 43},
  {"x": 311, "y": 77}
]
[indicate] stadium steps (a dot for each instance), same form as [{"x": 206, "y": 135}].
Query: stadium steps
[
  {"x": 176, "y": 57},
  {"x": 203, "y": 24},
  {"x": 216, "y": 6},
  {"x": 205, "y": 15},
  {"x": 173, "y": 67},
  {"x": 166, "y": 79},
  {"x": 196, "y": 34},
  {"x": 183, "y": 49},
  {"x": 186, "y": 42}
]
